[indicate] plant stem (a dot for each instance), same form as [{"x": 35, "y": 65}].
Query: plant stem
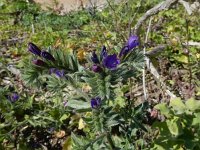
[
  {"x": 110, "y": 141},
  {"x": 188, "y": 53}
]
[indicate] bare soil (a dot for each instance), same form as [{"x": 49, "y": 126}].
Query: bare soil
[{"x": 63, "y": 6}]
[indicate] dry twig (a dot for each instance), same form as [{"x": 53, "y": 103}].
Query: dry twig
[
  {"x": 144, "y": 52},
  {"x": 155, "y": 10}
]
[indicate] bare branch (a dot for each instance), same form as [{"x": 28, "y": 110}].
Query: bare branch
[
  {"x": 191, "y": 43},
  {"x": 155, "y": 10},
  {"x": 155, "y": 73},
  {"x": 144, "y": 52},
  {"x": 160, "y": 48},
  {"x": 187, "y": 6},
  {"x": 156, "y": 50}
]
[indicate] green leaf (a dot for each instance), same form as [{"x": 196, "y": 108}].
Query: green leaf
[
  {"x": 196, "y": 120},
  {"x": 192, "y": 104},
  {"x": 163, "y": 129},
  {"x": 113, "y": 121},
  {"x": 78, "y": 104},
  {"x": 76, "y": 140},
  {"x": 177, "y": 105},
  {"x": 182, "y": 58},
  {"x": 64, "y": 117},
  {"x": 174, "y": 126},
  {"x": 120, "y": 101},
  {"x": 79, "y": 142},
  {"x": 163, "y": 109},
  {"x": 158, "y": 147},
  {"x": 139, "y": 124}
]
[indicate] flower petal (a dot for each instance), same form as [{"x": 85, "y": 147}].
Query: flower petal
[
  {"x": 111, "y": 62},
  {"x": 132, "y": 42},
  {"x": 95, "y": 102},
  {"x": 60, "y": 73},
  {"x": 103, "y": 53},
  {"x": 95, "y": 58}
]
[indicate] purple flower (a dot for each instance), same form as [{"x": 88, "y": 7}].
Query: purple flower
[
  {"x": 103, "y": 53},
  {"x": 13, "y": 97},
  {"x": 111, "y": 62},
  {"x": 60, "y": 73},
  {"x": 95, "y": 102},
  {"x": 39, "y": 62},
  {"x": 132, "y": 42},
  {"x": 57, "y": 72},
  {"x": 47, "y": 56},
  {"x": 95, "y": 58},
  {"x": 34, "y": 49},
  {"x": 96, "y": 68},
  {"x": 108, "y": 61}
]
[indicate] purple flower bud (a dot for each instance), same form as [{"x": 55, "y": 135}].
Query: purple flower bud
[
  {"x": 96, "y": 68},
  {"x": 111, "y": 62},
  {"x": 124, "y": 51},
  {"x": 95, "y": 102},
  {"x": 13, "y": 97},
  {"x": 34, "y": 49},
  {"x": 39, "y": 62},
  {"x": 95, "y": 58},
  {"x": 60, "y": 73},
  {"x": 132, "y": 42},
  {"x": 103, "y": 53},
  {"x": 47, "y": 56}
]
